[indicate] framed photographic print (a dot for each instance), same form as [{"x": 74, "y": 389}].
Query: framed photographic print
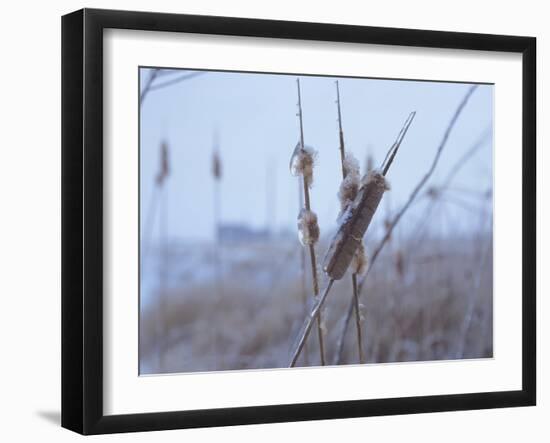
[{"x": 269, "y": 221}]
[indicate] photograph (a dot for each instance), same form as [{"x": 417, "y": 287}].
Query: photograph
[{"x": 292, "y": 220}]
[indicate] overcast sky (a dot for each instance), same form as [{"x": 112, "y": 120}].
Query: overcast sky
[{"x": 255, "y": 116}]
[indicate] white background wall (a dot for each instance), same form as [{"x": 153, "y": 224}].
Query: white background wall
[{"x": 30, "y": 218}]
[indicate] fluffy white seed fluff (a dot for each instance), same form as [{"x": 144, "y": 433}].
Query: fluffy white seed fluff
[
  {"x": 359, "y": 262},
  {"x": 308, "y": 228},
  {"x": 351, "y": 165},
  {"x": 302, "y": 162},
  {"x": 350, "y": 185},
  {"x": 323, "y": 326},
  {"x": 375, "y": 174}
]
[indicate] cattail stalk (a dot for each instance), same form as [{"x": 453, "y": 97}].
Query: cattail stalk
[
  {"x": 306, "y": 328},
  {"x": 217, "y": 176},
  {"x": 160, "y": 178},
  {"x": 160, "y": 182},
  {"x": 303, "y": 272},
  {"x": 308, "y": 219},
  {"x": 353, "y": 275},
  {"x": 357, "y": 317}
]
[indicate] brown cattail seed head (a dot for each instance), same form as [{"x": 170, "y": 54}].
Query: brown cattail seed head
[
  {"x": 353, "y": 225},
  {"x": 164, "y": 170},
  {"x": 308, "y": 228},
  {"x": 433, "y": 192},
  {"x": 302, "y": 162},
  {"x": 216, "y": 166},
  {"x": 400, "y": 263},
  {"x": 359, "y": 262}
]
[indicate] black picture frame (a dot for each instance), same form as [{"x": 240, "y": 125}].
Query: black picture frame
[{"x": 82, "y": 220}]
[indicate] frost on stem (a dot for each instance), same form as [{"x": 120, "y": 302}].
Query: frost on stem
[
  {"x": 350, "y": 185},
  {"x": 323, "y": 317},
  {"x": 308, "y": 228},
  {"x": 362, "y": 309},
  {"x": 302, "y": 162}
]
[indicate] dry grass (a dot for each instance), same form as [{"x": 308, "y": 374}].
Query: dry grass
[{"x": 412, "y": 314}]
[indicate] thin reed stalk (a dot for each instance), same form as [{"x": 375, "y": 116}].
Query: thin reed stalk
[
  {"x": 357, "y": 317},
  {"x": 218, "y": 265},
  {"x": 306, "y": 328},
  {"x": 162, "y": 279},
  {"x": 149, "y": 223},
  {"x": 152, "y": 85},
  {"x": 474, "y": 292},
  {"x": 302, "y": 164},
  {"x": 460, "y": 163},
  {"x": 160, "y": 184},
  {"x": 303, "y": 281}
]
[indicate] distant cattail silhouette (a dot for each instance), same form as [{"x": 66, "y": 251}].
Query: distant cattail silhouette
[
  {"x": 217, "y": 177},
  {"x": 216, "y": 165},
  {"x": 400, "y": 263},
  {"x": 164, "y": 170},
  {"x": 159, "y": 201}
]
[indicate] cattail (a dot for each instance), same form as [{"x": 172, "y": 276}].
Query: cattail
[
  {"x": 216, "y": 166},
  {"x": 218, "y": 264},
  {"x": 164, "y": 170},
  {"x": 155, "y": 204},
  {"x": 433, "y": 192},
  {"x": 353, "y": 225},
  {"x": 161, "y": 178},
  {"x": 400, "y": 264},
  {"x": 217, "y": 176}
]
